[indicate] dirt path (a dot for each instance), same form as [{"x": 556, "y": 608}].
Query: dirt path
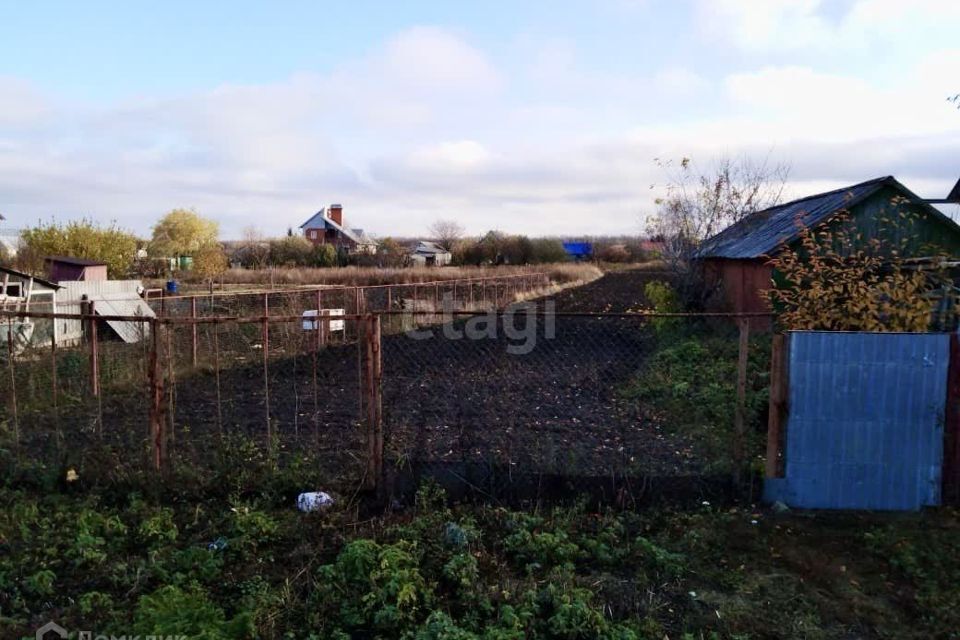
[{"x": 615, "y": 292}]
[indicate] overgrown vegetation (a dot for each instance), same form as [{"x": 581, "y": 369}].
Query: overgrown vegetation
[
  {"x": 251, "y": 566},
  {"x": 836, "y": 279},
  {"x": 688, "y": 385},
  {"x": 698, "y": 203}
]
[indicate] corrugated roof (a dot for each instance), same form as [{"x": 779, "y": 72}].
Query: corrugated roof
[
  {"x": 427, "y": 247},
  {"x": 27, "y": 276},
  {"x": 124, "y": 304},
  {"x": 760, "y": 233}
]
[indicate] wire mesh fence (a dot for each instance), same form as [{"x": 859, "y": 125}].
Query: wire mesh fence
[
  {"x": 461, "y": 294},
  {"x": 505, "y": 402},
  {"x": 495, "y": 401}
]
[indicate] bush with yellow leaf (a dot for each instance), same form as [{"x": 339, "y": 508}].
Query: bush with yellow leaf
[{"x": 834, "y": 278}]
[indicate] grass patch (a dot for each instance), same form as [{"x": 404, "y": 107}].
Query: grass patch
[{"x": 688, "y": 386}]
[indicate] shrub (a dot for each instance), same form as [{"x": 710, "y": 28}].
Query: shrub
[
  {"x": 172, "y": 611},
  {"x": 664, "y": 300},
  {"x": 615, "y": 253},
  {"x": 374, "y": 586}
]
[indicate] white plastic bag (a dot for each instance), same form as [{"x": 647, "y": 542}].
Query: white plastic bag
[{"x": 314, "y": 501}]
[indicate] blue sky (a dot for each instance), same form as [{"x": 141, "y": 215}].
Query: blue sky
[{"x": 535, "y": 117}]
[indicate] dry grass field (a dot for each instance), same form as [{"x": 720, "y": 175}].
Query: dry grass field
[{"x": 561, "y": 273}]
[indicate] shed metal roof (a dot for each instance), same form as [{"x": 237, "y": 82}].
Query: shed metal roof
[
  {"x": 123, "y": 304},
  {"x": 760, "y": 233},
  {"x": 27, "y": 276},
  {"x": 427, "y": 247}
]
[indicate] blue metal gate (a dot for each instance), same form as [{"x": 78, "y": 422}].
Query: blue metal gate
[{"x": 865, "y": 421}]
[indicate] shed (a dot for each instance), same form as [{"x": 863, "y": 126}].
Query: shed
[
  {"x": 430, "y": 254},
  {"x": 737, "y": 258},
  {"x": 110, "y": 298},
  {"x": 67, "y": 268},
  {"x": 21, "y": 291}
]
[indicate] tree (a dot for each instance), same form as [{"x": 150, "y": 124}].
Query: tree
[
  {"x": 834, "y": 279},
  {"x": 209, "y": 262},
  {"x": 254, "y": 251},
  {"x": 291, "y": 251},
  {"x": 697, "y": 205},
  {"x": 324, "y": 255},
  {"x": 391, "y": 253},
  {"x": 547, "y": 250},
  {"x": 446, "y": 233},
  {"x": 182, "y": 232},
  {"x": 79, "y": 239}
]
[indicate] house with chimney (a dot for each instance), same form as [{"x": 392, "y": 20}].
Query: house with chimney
[{"x": 326, "y": 227}]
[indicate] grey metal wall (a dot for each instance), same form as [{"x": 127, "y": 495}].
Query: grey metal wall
[{"x": 865, "y": 425}]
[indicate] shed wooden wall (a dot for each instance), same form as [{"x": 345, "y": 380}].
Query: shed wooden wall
[{"x": 742, "y": 282}]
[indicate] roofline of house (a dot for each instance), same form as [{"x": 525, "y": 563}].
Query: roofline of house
[
  {"x": 878, "y": 183},
  {"x": 21, "y": 274}
]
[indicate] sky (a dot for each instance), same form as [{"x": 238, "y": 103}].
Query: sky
[{"x": 544, "y": 118}]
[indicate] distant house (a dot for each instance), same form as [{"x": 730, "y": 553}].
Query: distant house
[
  {"x": 430, "y": 254},
  {"x": 326, "y": 227},
  {"x": 65, "y": 268},
  {"x": 736, "y": 258},
  {"x": 653, "y": 248}
]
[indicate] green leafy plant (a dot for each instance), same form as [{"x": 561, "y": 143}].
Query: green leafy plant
[{"x": 173, "y": 611}]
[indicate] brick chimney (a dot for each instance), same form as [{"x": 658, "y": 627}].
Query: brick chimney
[{"x": 335, "y": 213}]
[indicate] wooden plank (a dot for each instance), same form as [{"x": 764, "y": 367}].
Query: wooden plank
[
  {"x": 740, "y": 412},
  {"x": 366, "y": 405},
  {"x": 776, "y": 420}
]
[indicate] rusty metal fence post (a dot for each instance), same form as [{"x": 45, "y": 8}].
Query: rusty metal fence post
[
  {"x": 13, "y": 387},
  {"x": 193, "y": 331},
  {"x": 157, "y": 420},
  {"x": 94, "y": 355}
]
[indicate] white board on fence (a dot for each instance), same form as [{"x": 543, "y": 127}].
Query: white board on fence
[{"x": 310, "y": 323}]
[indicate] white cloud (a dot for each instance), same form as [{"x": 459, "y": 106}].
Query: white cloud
[
  {"x": 679, "y": 81},
  {"x": 782, "y": 25},
  {"x": 425, "y": 126}
]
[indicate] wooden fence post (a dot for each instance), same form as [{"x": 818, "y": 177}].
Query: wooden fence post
[
  {"x": 266, "y": 377},
  {"x": 779, "y": 389},
  {"x": 374, "y": 403},
  {"x": 739, "y": 415}
]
